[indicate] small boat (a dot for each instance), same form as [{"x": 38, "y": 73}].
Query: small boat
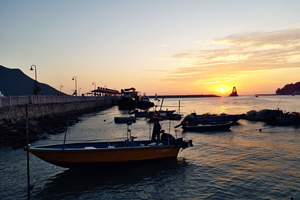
[
  {"x": 141, "y": 113},
  {"x": 194, "y": 118},
  {"x": 285, "y": 121},
  {"x": 124, "y": 119},
  {"x": 210, "y": 126},
  {"x": 165, "y": 116},
  {"x": 130, "y": 99},
  {"x": 103, "y": 154},
  {"x": 289, "y": 118}
]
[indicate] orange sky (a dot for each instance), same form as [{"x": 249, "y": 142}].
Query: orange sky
[{"x": 190, "y": 47}]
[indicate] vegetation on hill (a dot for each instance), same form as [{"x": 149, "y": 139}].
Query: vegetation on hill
[
  {"x": 13, "y": 82},
  {"x": 289, "y": 89}
]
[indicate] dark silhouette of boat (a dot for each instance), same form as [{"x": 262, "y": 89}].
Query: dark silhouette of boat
[
  {"x": 130, "y": 99},
  {"x": 194, "y": 118},
  {"x": 208, "y": 126},
  {"x": 113, "y": 153},
  {"x": 121, "y": 120}
]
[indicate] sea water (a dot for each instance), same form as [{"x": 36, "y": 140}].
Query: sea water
[{"x": 251, "y": 161}]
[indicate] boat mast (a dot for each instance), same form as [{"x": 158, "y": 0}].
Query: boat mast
[
  {"x": 161, "y": 104},
  {"x": 65, "y": 138}
]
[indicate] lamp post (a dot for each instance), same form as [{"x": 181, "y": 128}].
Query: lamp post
[
  {"x": 35, "y": 91},
  {"x": 75, "y": 92},
  {"x": 60, "y": 89},
  {"x": 94, "y": 83}
]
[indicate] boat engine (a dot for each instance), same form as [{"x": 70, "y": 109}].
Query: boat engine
[{"x": 167, "y": 137}]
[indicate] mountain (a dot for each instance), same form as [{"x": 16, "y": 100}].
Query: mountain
[
  {"x": 13, "y": 82},
  {"x": 289, "y": 89}
]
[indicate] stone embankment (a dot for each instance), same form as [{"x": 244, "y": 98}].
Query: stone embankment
[
  {"x": 43, "y": 120},
  {"x": 13, "y": 131}
]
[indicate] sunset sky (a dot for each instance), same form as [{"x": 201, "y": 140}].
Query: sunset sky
[{"x": 156, "y": 46}]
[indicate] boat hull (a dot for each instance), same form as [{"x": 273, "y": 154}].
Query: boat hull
[
  {"x": 124, "y": 119},
  {"x": 88, "y": 157},
  {"x": 216, "y": 119},
  {"x": 204, "y": 127},
  {"x": 193, "y": 118}
]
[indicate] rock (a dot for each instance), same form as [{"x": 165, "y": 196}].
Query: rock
[{"x": 13, "y": 132}]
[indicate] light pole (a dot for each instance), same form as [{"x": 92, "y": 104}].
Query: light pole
[
  {"x": 60, "y": 89},
  {"x": 94, "y": 83},
  {"x": 75, "y": 92},
  {"x": 35, "y": 91}
]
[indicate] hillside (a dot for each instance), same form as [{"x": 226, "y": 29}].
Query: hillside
[
  {"x": 13, "y": 82},
  {"x": 289, "y": 89}
]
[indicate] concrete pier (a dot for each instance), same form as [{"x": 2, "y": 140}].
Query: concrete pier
[{"x": 51, "y": 109}]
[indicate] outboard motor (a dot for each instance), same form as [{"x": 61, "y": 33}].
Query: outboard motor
[{"x": 167, "y": 137}]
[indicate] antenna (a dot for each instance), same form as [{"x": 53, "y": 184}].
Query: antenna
[{"x": 278, "y": 103}]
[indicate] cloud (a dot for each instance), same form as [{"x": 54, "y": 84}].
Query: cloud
[
  {"x": 164, "y": 45},
  {"x": 153, "y": 71},
  {"x": 239, "y": 54}
]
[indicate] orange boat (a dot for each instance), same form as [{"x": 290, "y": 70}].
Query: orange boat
[{"x": 101, "y": 154}]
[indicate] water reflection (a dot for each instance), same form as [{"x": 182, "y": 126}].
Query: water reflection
[{"x": 75, "y": 182}]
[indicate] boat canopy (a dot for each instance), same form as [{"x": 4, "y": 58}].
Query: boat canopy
[{"x": 100, "y": 90}]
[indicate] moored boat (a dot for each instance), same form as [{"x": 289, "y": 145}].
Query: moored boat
[
  {"x": 194, "y": 118},
  {"x": 165, "y": 116},
  {"x": 124, "y": 119},
  {"x": 101, "y": 154},
  {"x": 130, "y": 99},
  {"x": 209, "y": 126}
]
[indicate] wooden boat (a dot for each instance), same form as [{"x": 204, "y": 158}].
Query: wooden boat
[
  {"x": 165, "y": 116},
  {"x": 194, "y": 118},
  {"x": 209, "y": 126},
  {"x": 141, "y": 113},
  {"x": 149, "y": 114},
  {"x": 102, "y": 154},
  {"x": 130, "y": 99},
  {"x": 285, "y": 121},
  {"x": 289, "y": 118},
  {"x": 124, "y": 119}
]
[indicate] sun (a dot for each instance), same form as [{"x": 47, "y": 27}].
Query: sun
[{"x": 222, "y": 88}]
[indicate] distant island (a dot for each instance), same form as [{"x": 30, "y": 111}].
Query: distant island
[{"x": 289, "y": 89}]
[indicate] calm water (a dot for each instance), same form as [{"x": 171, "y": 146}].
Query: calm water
[{"x": 243, "y": 163}]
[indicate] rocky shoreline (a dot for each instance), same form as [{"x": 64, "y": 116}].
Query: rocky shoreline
[{"x": 13, "y": 131}]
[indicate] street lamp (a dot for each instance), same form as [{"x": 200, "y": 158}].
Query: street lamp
[
  {"x": 75, "y": 92},
  {"x": 94, "y": 83},
  {"x": 35, "y": 91}
]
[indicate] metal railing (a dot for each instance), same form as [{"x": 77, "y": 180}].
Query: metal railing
[{"x": 39, "y": 99}]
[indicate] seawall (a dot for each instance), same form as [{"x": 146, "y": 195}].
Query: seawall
[{"x": 52, "y": 109}]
